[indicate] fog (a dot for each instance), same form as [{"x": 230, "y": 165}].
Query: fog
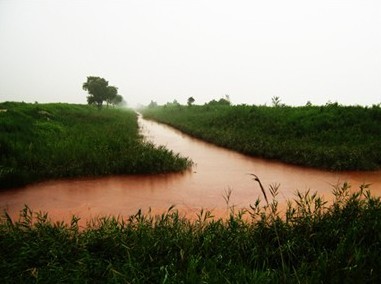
[{"x": 298, "y": 50}]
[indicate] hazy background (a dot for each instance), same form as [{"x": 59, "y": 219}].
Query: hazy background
[{"x": 161, "y": 50}]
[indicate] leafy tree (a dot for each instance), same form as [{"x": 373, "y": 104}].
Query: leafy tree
[
  {"x": 97, "y": 89},
  {"x": 118, "y": 100},
  {"x": 99, "y": 92},
  {"x": 191, "y": 100},
  {"x": 112, "y": 92}
]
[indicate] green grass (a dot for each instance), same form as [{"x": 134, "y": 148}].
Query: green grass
[
  {"x": 332, "y": 137},
  {"x": 312, "y": 243},
  {"x": 50, "y": 141}
]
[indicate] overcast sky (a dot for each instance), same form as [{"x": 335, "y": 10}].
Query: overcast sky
[{"x": 161, "y": 50}]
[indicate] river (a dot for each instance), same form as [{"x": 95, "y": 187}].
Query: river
[{"x": 216, "y": 171}]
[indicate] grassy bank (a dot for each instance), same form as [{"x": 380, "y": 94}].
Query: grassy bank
[
  {"x": 331, "y": 137},
  {"x": 315, "y": 243},
  {"x": 48, "y": 141}
]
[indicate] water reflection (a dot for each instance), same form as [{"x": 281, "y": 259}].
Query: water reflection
[{"x": 216, "y": 170}]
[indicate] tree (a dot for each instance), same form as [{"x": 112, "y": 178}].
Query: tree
[
  {"x": 112, "y": 92},
  {"x": 99, "y": 91},
  {"x": 175, "y": 102},
  {"x": 152, "y": 104},
  {"x": 223, "y": 101},
  {"x": 227, "y": 98},
  {"x": 276, "y": 101},
  {"x": 190, "y": 101},
  {"x": 118, "y": 100},
  {"x": 220, "y": 102}
]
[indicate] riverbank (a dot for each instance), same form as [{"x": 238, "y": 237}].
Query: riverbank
[
  {"x": 311, "y": 243},
  {"x": 53, "y": 141},
  {"x": 329, "y": 137},
  {"x": 215, "y": 171}
]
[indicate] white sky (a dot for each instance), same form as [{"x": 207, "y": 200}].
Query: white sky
[{"x": 161, "y": 50}]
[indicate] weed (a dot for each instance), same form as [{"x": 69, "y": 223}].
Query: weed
[
  {"x": 49, "y": 141},
  {"x": 314, "y": 243},
  {"x": 331, "y": 137}
]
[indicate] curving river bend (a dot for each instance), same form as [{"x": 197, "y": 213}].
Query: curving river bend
[{"x": 216, "y": 171}]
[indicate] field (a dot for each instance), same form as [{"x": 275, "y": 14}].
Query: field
[
  {"x": 312, "y": 243},
  {"x": 51, "y": 141},
  {"x": 331, "y": 137}
]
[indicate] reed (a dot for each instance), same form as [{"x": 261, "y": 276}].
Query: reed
[
  {"x": 331, "y": 137},
  {"x": 312, "y": 242},
  {"x": 50, "y": 141}
]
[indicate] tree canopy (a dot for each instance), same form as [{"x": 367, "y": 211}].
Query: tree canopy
[
  {"x": 222, "y": 101},
  {"x": 190, "y": 101},
  {"x": 100, "y": 91}
]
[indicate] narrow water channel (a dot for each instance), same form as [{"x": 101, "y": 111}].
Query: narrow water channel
[{"x": 215, "y": 172}]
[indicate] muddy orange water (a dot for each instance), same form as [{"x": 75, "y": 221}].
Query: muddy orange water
[{"x": 216, "y": 170}]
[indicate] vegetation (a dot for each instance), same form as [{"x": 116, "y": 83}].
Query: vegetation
[
  {"x": 311, "y": 243},
  {"x": 47, "y": 141},
  {"x": 100, "y": 91},
  {"x": 332, "y": 136},
  {"x": 190, "y": 101}
]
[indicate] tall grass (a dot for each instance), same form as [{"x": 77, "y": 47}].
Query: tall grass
[
  {"x": 47, "y": 141},
  {"x": 331, "y": 137},
  {"x": 312, "y": 242}
]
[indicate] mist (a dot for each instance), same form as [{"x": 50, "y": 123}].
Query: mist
[{"x": 300, "y": 51}]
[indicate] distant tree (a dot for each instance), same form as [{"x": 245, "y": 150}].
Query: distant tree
[
  {"x": 222, "y": 101},
  {"x": 175, "y": 102},
  {"x": 191, "y": 100},
  {"x": 308, "y": 103},
  {"x": 99, "y": 91},
  {"x": 212, "y": 102},
  {"x": 152, "y": 104},
  {"x": 118, "y": 100},
  {"x": 112, "y": 92},
  {"x": 276, "y": 101},
  {"x": 331, "y": 104}
]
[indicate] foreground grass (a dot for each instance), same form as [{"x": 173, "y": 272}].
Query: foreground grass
[
  {"x": 46, "y": 141},
  {"x": 311, "y": 243},
  {"x": 331, "y": 137}
]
